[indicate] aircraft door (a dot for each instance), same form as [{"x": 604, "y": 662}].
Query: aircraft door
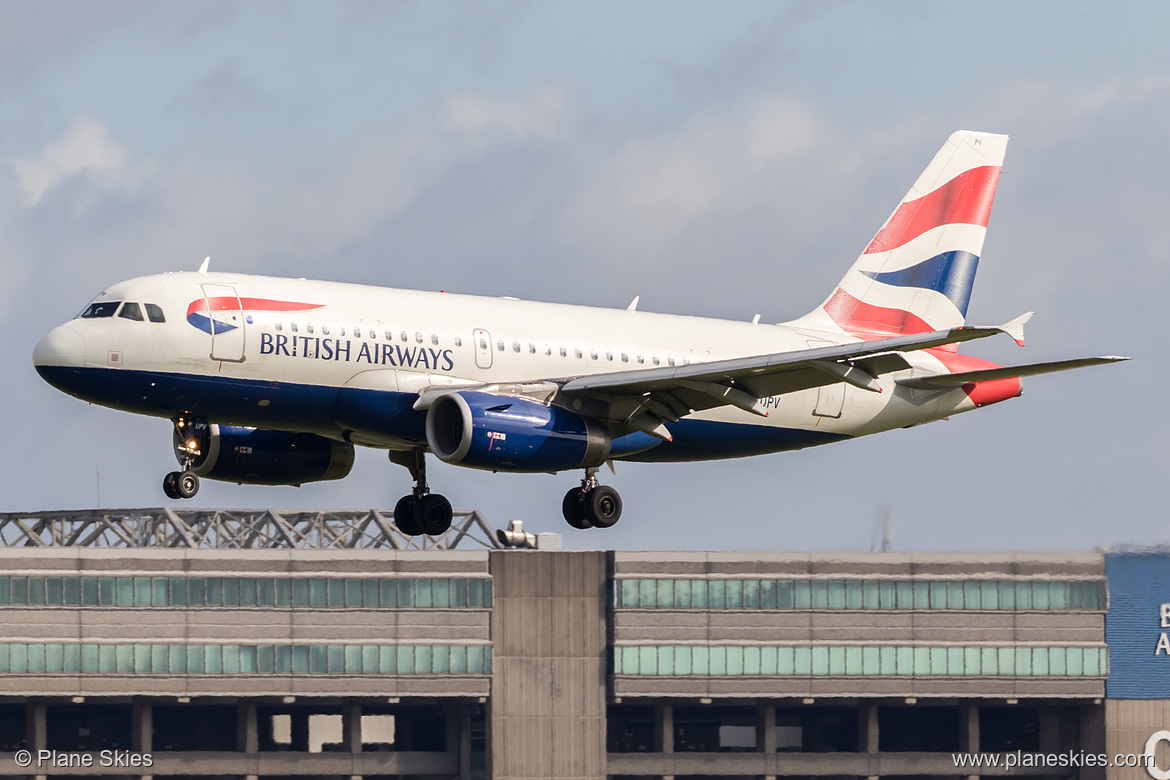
[
  {"x": 483, "y": 348},
  {"x": 227, "y": 322},
  {"x": 830, "y": 398}
]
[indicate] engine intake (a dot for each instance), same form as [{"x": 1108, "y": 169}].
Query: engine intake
[
  {"x": 504, "y": 433},
  {"x": 254, "y": 456}
]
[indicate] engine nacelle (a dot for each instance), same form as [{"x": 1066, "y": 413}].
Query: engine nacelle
[
  {"x": 504, "y": 433},
  {"x": 252, "y": 456}
]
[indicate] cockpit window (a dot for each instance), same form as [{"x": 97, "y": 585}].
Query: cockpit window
[
  {"x": 154, "y": 313},
  {"x": 100, "y": 309},
  {"x": 131, "y": 311}
]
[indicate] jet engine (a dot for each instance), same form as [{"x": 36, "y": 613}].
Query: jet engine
[
  {"x": 504, "y": 433},
  {"x": 253, "y": 456}
]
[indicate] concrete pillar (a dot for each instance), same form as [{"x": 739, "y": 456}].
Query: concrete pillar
[
  {"x": 142, "y": 727},
  {"x": 1091, "y": 730},
  {"x": 142, "y": 730},
  {"x": 870, "y": 742},
  {"x": 351, "y": 731},
  {"x": 36, "y": 734},
  {"x": 247, "y": 732},
  {"x": 247, "y": 729},
  {"x": 549, "y": 660},
  {"x": 351, "y": 728},
  {"x": 969, "y": 727},
  {"x": 766, "y": 732},
  {"x": 664, "y": 731},
  {"x": 663, "y": 728}
]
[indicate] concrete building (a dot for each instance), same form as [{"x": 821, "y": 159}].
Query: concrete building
[{"x": 381, "y": 663}]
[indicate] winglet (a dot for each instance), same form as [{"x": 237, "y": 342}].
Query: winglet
[
  {"x": 203, "y": 267},
  {"x": 633, "y": 304},
  {"x": 1015, "y": 328}
]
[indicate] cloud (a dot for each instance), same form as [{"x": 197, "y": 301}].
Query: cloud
[
  {"x": 86, "y": 147},
  {"x": 542, "y": 113}
]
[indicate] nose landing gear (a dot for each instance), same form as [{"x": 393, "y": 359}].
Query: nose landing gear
[
  {"x": 185, "y": 483},
  {"x": 592, "y": 505},
  {"x": 420, "y": 511}
]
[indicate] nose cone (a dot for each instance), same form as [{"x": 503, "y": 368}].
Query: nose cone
[{"x": 63, "y": 346}]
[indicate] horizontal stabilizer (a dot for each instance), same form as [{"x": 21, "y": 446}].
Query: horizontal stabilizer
[{"x": 942, "y": 381}]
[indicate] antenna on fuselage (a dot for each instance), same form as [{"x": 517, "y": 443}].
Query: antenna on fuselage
[{"x": 206, "y": 262}]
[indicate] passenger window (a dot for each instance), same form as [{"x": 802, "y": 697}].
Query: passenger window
[
  {"x": 403, "y": 336},
  {"x": 670, "y": 360},
  {"x": 532, "y": 348},
  {"x": 459, "y": 342},
  {"x": 564, "y": 352},
  {"x": 654, "y": 359},
  {"x": 578, "y": 353},
  {"x": 609, "y": 355},
  {"x": 641, "y": 359},
  {"x": 131, "y": 311},
  {"x": 515, "y": 346},
  {"x": 548, "y": 350},
  {"x": 434, "y": 339},
  {"x": 625, "y": 358},
  {"x": 308, "y": 327},
  {"x": 500, "y": 345},
  {"x": 593, "y": 354},
  {"x": 293, "y": 327},
  {"x": 154, "y": 313},
  {"x": 325, "y": 330},
  {"x": 389, "y": 336},
  {"x": 357, "y": 332},
  {"x": 418, "y": 337},
  {"x": 99, "y": 310},
  {"x": 279, "y": 327},
  {"x": 483, "y": 344}
]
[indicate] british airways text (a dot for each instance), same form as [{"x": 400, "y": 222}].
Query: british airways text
[{"x": 317, "y": 348}]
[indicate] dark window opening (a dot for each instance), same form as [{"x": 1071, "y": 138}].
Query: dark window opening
[
  {"x": 100, "y": 309},
  {"x": 131, "y": 311},
  {"x": 918, "y": 729}
]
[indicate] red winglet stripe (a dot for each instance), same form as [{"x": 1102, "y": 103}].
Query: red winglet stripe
[
  {"x": 965, "y": 199},
  {"x": 869, "y": 322}
]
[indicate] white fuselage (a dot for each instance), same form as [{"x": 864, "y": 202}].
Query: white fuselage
[{"x": 294, "y": 345}]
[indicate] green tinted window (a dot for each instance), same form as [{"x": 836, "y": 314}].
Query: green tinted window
[
  {"x": 36, "y": 590},
  {"x": 248, "y": 592}
]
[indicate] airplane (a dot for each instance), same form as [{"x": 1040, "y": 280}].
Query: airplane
[{"x": 274, "y": 381}]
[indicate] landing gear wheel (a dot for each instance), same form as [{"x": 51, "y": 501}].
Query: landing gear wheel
[
  {"x": 574, "y": 510},
  {"x": 404, "y": 516},
  {"x": 187, "y": 484},
  {"x": 432, "y": 514},
  {"x": 603, "y": 506},
  {"x": 169, "y": 485}
]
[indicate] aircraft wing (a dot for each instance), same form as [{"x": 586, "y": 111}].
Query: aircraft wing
[
  {"x": 943, "y": 381},
  {"x": 668, "y": 393}
]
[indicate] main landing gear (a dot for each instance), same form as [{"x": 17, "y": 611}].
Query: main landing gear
[
  {"x": 420, "y": 511},
  {"x": 185, "y": 483},
  {"x": 592, "y": 505}
]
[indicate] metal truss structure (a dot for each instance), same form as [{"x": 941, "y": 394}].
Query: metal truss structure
[{"x": 234, "y": 529}]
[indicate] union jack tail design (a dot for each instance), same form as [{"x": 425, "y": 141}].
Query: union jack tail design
[{"x": 916, "y": 274}]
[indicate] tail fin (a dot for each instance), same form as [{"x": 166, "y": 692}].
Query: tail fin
[{"x": 916, "y": 274}]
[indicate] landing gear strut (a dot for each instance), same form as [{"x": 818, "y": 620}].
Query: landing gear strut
[
  {"x": 592, "y": 505},
  {"x": 420, "y": 511},
  {"x": 185, "y": 483}
]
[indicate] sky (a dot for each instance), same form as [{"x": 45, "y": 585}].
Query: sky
[{"x": 720, "y": 160}]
